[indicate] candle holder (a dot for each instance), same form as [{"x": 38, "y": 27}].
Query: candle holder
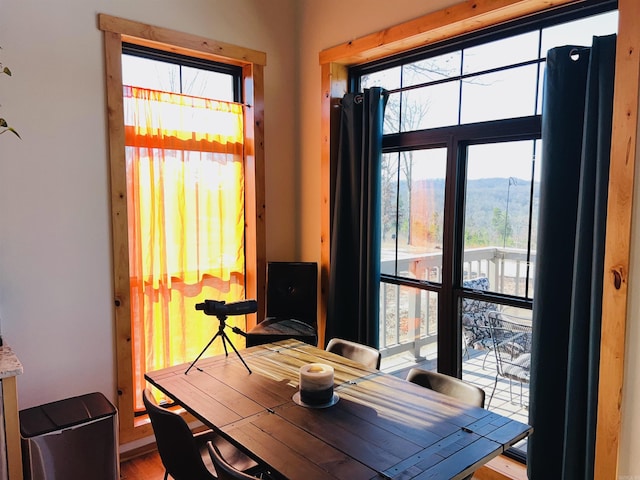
[{"x": 316, "y": 386}]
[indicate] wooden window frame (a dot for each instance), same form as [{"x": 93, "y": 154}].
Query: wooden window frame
[
  {"x": 474, "y": 15},
  {"x": 116, "y": 31}
]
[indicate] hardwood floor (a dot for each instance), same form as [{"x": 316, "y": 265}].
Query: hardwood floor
[{"x": 143, "y": 467}]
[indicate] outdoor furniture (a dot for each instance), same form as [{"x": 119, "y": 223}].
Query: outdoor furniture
[
  {"x": 380, "y": 426},
  {"x": 512, "y": 347},
  {"x": 358, "y": 352},
  {"x": 475, "y": 329}
]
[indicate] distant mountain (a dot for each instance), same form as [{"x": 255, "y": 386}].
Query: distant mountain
[{"x": 491, "y": 204}]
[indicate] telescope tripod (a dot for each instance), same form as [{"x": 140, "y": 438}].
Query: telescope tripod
[{"x": 225, "y": 339}]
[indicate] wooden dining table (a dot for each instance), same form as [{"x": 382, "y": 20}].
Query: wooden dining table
[{"x": 381, "y": 427}]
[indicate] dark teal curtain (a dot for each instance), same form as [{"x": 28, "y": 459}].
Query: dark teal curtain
[
  {"x": 576, "y": 140},
  {"x": 354, "y": 279}
]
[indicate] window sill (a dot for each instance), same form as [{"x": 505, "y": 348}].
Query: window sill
[{"x": 502, "y": 468}]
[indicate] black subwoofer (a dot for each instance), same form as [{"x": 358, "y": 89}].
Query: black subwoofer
[{"x": 292, "y": 302}]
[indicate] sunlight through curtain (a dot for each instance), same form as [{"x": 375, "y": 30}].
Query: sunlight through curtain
[{"x": 185, "y": 204}]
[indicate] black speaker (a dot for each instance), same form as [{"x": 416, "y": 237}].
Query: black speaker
[
  {"x": 292, "y": 304},
  {"x": 292, "y": 291}
]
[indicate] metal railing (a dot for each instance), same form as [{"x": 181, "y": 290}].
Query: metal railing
[{"x": 408, "y": 315}]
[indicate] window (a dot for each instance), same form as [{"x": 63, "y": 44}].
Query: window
[
  {"x": 185, "y": 189},
  {"x": 461, "y": 165},
  {"x": 183, "y": 79}
]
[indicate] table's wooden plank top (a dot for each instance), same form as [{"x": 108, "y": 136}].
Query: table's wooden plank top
[{"x": 381, "y": 427}]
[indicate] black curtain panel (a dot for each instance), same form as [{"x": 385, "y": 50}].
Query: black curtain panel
[
  {"x": 576, "y": 141},
  {"x": 354, "y": 279}
]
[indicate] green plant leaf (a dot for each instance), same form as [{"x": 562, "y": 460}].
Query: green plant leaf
[
  {"x": 6, "y": 70},
  {"x": 9, "y": 129}
]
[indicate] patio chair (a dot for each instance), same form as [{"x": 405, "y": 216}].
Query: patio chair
[
  {"x": 183, "y": 454},
  {"x": 512, "y": 347},
  {"x": 368, "y": 356},
  {"x": 475, "y": 327}
]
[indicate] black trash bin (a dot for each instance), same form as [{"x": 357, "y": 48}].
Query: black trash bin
[{"x": 74, "y": 438}]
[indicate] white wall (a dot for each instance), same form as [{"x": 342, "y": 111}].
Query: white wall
[{"x": 55, "y": 248}]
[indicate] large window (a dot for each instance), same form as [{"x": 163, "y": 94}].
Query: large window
[
  {"x": 185, "y": 135},
  {"x": 184, "y": 138},
  {"x": 460, "y": 189}
]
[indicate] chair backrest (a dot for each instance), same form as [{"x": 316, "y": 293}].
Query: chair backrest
[
  {"x": 473, "y": 314},
  {"x": 292, "y": 291},
  {"x": 512, "y": 346},
  {"x": 447, "y": 385},
  {"x": 225, "y": 470},
  {"x": 358, "y": 352},
  {"x": 481, "y": 284},
  {"x": 176, "y": 445}
]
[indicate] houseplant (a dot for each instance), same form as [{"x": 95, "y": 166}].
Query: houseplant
[{"x": 4, "y": 126}]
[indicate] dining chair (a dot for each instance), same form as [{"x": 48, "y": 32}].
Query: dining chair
[
  {"x": 224, "y": 469},
  {"x": 184, "y": 455},
  {"x": 512, "y": 337},
  {"x": 448, "y": 385},
  {"x": 364, "y": 354}
]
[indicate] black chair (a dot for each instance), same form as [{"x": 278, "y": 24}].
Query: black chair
[
  {"x": 292, "y": 304},
  {"x": 364, "y": 354},
  {"x": 183, "y": 454},
  {"x": 224, "y": 470},
  {"x": 447, "y": 385}
]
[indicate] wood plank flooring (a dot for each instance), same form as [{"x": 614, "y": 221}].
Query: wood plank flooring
[{"x": 143, "y": 467}]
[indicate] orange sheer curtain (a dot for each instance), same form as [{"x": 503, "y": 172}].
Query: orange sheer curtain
[{"x": 185, "y": 191}]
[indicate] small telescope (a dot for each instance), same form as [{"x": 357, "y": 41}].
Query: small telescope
[{"x": 220, "y": 308}]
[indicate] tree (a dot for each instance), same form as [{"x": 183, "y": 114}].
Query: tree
[{"x": 501, "y": 225}]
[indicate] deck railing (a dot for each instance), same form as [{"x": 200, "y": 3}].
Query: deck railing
[{"x": 408, "y": 316}]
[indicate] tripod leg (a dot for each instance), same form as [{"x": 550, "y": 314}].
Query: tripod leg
[
  {"x": 204, "y": 350},
  {"x": 224, "y": 342},
  {"x": 226, "y": 338}
]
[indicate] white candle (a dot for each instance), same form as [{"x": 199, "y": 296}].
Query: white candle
[{"x": 316, "y": 383}]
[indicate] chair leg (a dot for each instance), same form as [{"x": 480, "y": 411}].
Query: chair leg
[
  {"x": 510, "y": 392},
  {"x": 484, "y": 360},
  {"x": 492, "y": 392}
]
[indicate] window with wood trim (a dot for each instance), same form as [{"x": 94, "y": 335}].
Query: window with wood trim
[
  {"x": 470, "y": 16},
  {"x": 176, "y": 189},
  {"x": 460, "y": 191},
  {"x": 184, "y": 151}
]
